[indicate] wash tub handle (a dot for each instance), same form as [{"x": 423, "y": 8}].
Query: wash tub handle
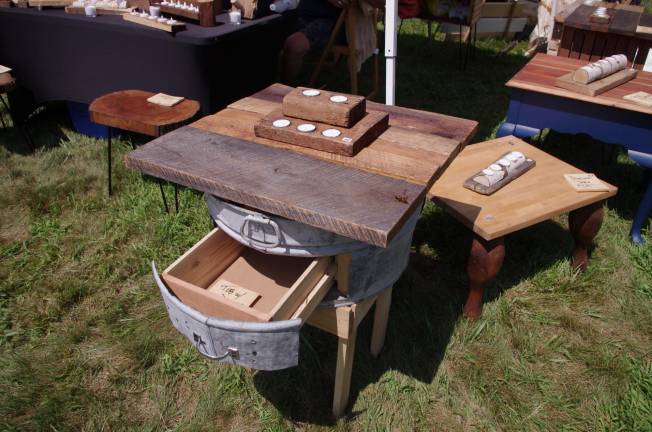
[{"x": 262, "y": 221}]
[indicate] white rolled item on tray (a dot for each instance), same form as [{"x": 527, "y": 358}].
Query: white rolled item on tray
[
  {"x": 600, "y": 69},
  {"x": 497, "y": 171}
]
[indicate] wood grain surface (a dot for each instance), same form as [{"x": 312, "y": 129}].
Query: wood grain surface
[
  {"x": 596, "y": 87},
  {"x": 348, "y": 143},
  {"x": 537, "y": 195},
  {"x": 129, "y": 110},
  {"x": 320, "y": 108},
  {"x": 540, "y": 73},
  {"x": 351, "y": 202},
  {"x": 399, "y": 153},
  {"x": 455, "y": 128}
]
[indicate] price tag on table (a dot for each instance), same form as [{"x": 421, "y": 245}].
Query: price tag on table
[
  {"x": 586, "y": 183},
  {"x": 234, "y": 292}
]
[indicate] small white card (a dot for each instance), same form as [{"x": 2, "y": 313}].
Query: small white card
[
  {"x": 586, "y": 183},
  {"x": 165, "y": 100},
  {"x": 234, "y": 292},
  {"x": 641, "y": 98}
]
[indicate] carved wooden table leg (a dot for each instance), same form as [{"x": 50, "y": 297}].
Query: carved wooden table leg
[
  {"x": 485, "y": 261},
  {"x": 383, "y": 302},
  {"x": 584, "y": 223}
]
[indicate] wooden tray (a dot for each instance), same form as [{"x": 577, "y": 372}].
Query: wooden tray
[
  {"x": 596, "y": 87},
  {"x": 99, "y": 11},
  {"x": 348, "y": 143},
  {"x": 154, "y": 24},
  {"x": 269, "y": 287},
  {"x": 488, "y": 190}
]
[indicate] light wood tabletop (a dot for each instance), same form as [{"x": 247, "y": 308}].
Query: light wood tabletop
[
  {"x": 537, "y": 195},
  {"x": 540, "y": 73}
]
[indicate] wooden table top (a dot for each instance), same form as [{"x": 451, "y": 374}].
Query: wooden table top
[
  {"x": 536, "y": 196},
  {"x": 366, "y": 197},
  {"x": 129, "y": 110},
  {"x": 540, "y": 73},
  {"x": 624, "y": 18}
]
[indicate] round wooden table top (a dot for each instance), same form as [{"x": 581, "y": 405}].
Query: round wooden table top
[{"x": 129, "y": 110}]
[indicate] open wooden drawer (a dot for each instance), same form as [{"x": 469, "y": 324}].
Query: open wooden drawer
[{"x": 246, "y": 306}]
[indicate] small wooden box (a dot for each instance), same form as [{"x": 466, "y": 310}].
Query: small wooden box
[
  {"x": 283, "y": 287},
  {"x": 320, "y": 108},
  {"x": 205, "y": 16}
]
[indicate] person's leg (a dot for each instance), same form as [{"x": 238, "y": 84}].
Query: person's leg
[{"x": 296, "y": 47}]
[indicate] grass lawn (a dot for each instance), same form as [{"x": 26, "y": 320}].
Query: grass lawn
[{"x": 85, "y": 342}]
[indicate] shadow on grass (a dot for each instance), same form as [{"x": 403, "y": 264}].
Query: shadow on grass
[
  {"x": 426, "y": 305},
  {"x": 45, "y": 127},
  {"x": 609, "y": 162}
]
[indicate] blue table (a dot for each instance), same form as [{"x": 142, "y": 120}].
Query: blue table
[{"x": 535, "y": 104}]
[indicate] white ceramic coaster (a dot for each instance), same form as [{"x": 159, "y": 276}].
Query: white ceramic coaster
[
  {"x": 281, "y": 123},
  {"x": 306, "y": 127},
  {"x": 331, "y": 133},
  {"x": 311, "y": 92},
  {"x": 339, "y": 99}
]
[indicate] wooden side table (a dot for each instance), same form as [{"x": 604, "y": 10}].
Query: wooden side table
[
  {"x": 536, "y": 196},
  {"x": 129, "y": 110}
]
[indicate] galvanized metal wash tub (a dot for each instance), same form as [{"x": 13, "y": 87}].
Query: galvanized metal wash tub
[{"x": 275, "y": 345}]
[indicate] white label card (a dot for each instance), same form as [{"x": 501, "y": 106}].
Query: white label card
[{"x": 234, "y": 292}]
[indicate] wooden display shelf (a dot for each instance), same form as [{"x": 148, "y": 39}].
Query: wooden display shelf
[
  {"x": 279, "y": 287},
  {"x": 49, "y": 3},
  {"x": 321, "y": 109},
  {"x": 205, "y": 16},
  {"x": 99, "y": 11},
  {"x": 171, "y": 28},
  {"x": 348, "y": 143}
]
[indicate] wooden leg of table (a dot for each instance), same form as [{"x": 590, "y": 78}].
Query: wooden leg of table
[
  {"x": 383, "y": 302},
  {"x": 485, "y": 261},
  {"x": 345, "y": 352},
  {"x": 584, "y": 223}
]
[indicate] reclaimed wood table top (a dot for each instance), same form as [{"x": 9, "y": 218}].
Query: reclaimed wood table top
[
  {"x": 538, "y": 195},
  {"x": 366, "y": 197},
  {"x": 624, "y": 18},
  {"x": 129, "y": 110},
  {"x": 540, "y": 73}
]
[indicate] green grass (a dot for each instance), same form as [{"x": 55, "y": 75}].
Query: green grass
[{"x": 85, "y": 343}]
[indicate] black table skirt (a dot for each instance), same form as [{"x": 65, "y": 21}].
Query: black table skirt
[{"x": 58, "y": 56}]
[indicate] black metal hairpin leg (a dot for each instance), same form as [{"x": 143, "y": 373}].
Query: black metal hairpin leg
[
  {"x": 165, "y": 201},
  {"x": 108, "y": 154}
]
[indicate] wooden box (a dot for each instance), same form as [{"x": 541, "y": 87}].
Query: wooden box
[
  {"x": 321, "y": 109},
  {"x": 205, "y": 16},
  {"x": 270, "y": 287}
]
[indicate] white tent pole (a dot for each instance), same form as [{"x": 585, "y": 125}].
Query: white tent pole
[{"x": 391, "y": 19}]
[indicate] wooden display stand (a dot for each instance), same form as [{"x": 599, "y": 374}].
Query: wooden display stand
[
  {"x": 350, "y": 125},
  {"x": 170, "y": 28},
  {"x": 596, "y": 87},
  {"x": 99, "y": 11},
  {"x": 205, "y": 16}
]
